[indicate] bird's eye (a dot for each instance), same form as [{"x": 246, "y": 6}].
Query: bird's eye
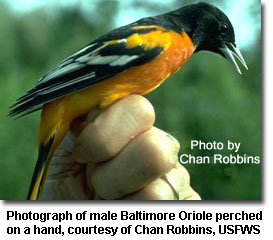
[{"x": 224, "y": 28}]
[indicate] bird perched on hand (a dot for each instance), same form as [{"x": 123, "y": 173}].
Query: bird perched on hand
[{"x": 135, "y": 58}]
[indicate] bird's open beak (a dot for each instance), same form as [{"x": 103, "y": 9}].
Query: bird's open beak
[{"x": 229, "y": 50}]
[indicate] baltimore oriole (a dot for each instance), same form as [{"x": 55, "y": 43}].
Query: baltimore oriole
[{"x": 135, "y": 58}]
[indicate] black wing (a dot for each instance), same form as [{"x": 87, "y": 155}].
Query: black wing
[{"x": 97, "y": 61}]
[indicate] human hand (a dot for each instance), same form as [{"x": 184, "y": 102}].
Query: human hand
[{"x": 118, "y": 155}]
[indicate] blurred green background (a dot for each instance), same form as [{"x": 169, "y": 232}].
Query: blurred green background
[{"x": 207, "y": 100}]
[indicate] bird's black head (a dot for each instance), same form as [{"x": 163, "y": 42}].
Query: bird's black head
[{"x": 210, "y": 29}]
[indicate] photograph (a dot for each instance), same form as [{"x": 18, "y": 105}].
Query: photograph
[{"x": 131, "y": 100}]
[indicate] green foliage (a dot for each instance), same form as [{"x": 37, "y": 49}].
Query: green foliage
[{"x": 208, "y": 100}]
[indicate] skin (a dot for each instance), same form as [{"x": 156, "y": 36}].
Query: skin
[{"x": 118, "y": 154}]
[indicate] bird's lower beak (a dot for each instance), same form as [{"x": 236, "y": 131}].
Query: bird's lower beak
[{"x": 229, "y": 51}]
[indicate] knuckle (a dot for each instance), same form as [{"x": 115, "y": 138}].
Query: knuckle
[
  {"x": 146, "y": 112},
  {"x": 106, "y": 193},
  {"x": 187, "y": 177},
  {"x": 158, "y": 156},
  {"x": 184, "y": 173},
  {"x": 101, "y": 141},
  {"x": 174, "y": 142}
]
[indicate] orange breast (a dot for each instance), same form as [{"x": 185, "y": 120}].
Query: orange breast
[
  {"x": 145, "y": 78},
  {"x": 140, "y": 79}
]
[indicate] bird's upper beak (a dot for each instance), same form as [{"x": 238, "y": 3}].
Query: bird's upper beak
[{"x": 229, "y": 50}]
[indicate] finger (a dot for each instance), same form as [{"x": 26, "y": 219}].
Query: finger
[
  {"x": 146, "y": 158},
  {"x": 113, "y": 129},
  {"x": 192, "y": 195},
  {"x": 156, "y": 190},
  {"x": 67, "y": 191},
  {"x": 160, "y": 189},
  {"x": 179, "y": 182}
]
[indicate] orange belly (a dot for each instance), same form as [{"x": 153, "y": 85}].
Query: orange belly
[
  {"x": 136, "y": 80},
  {"x": 139, "y": 80}
]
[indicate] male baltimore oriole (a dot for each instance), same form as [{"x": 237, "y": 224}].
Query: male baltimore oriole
[{"x": 135, "y": 58}]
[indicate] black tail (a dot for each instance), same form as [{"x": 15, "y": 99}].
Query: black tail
[{"x": 40, "y": 171}]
